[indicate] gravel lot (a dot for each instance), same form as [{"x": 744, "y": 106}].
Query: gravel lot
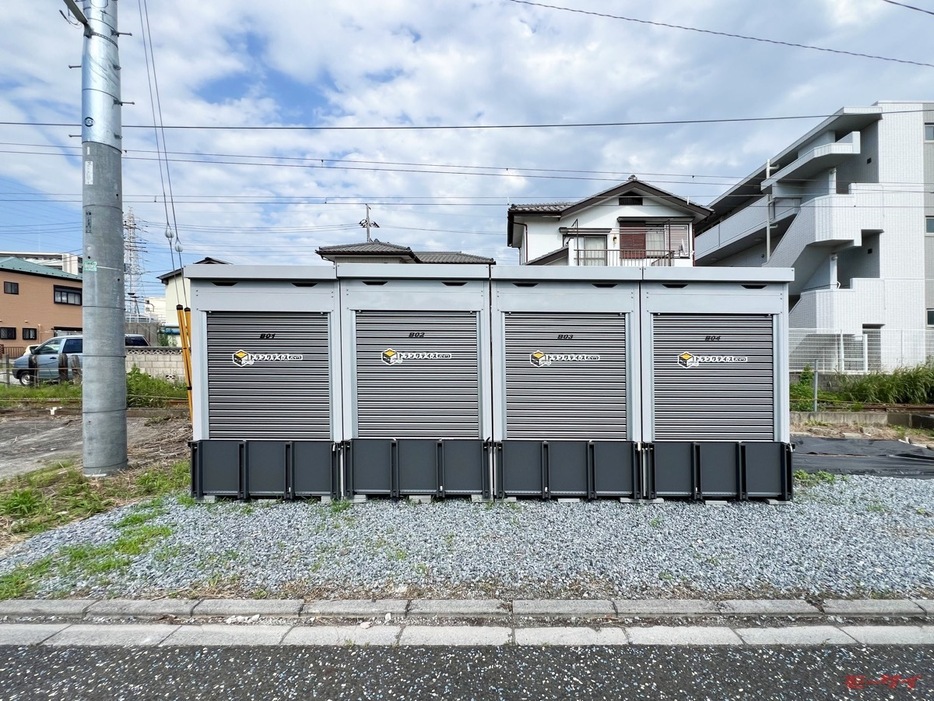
[{"x": 860, "y": 536}]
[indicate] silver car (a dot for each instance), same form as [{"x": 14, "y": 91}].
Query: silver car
[{"x": 53, "y": 359}]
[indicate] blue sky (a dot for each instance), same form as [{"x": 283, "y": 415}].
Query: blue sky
[{"x": 274, "y": 196}]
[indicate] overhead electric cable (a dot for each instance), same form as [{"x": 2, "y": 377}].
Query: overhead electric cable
[
  {"x": 463, "y": 127},
  {"x": 729, "y": 35},
  {"x": 910, "y": 7}
]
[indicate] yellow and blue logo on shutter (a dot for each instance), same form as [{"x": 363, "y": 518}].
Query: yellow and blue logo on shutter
[{"x": 391, "y": 357}]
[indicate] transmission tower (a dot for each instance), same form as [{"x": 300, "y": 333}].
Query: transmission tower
[{"x": 132, "y": 256}]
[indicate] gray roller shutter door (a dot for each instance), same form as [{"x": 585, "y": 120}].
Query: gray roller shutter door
[
  {"x": 581, "y": 394},
  {"x": 284, "y": 393},
  {"x": 428, "y": 386},
  {"x": 721, "y": 399}
]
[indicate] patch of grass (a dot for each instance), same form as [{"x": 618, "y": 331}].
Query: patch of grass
[
  {"x": 22, "y": 581},
  {"x": 187, "y": 500},
  {"x": 812, "y": 479},
  {"x": 58, "y": 494},
  {"x": 876, "y": 507},
  {"x": 913, "y": 385},
  {"x": 140, "y": 539},
  {"x": 163, "y": 481},
  {"x": 67, "y": 394},
  {"x": 23, "y": 502},
  {"x": 656, "y": 522},
  {"x": 144, "y": 390},
  {"x": 398, "y": 554},
  {"x": 340, "y": 506}
]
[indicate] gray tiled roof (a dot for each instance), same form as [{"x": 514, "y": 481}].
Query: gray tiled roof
[
  {"x": 452, "y": 257},
  {"x": 375, "y": 247},
  {"x": 18, "y": 265},
  {"x": 541, "y": 208}
]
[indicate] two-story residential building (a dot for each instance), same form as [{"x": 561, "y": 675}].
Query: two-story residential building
[
  {"x": 849, "y": 206},
  {"x": 632, "y": 224},
  {"x": 37, "y": 303}
]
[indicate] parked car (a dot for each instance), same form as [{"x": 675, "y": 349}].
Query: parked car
[{"x": 56, "y": 358}]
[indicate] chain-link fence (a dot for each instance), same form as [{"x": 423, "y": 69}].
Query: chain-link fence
[{"x": 828, "y": 350}]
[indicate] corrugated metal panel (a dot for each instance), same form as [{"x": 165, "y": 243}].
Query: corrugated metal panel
[
  {"x": 703, "y": 389},
  {"x": 417, "y": 375},
  {"x": 278, "y": 387},
  {"x": 580, "y": 393}
]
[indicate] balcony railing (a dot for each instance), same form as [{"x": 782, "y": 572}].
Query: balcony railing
[{"x": 627, "y": 257}]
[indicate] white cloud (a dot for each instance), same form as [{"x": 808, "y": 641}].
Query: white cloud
[{"x": 393, "y": 62}]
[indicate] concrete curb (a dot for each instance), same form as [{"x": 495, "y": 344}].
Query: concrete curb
[
  {"x": 83, "y": 609},
  {"x": 218, "y": 635}
]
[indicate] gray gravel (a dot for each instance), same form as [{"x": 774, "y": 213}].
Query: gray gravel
[{"x": 863, "y": 536}]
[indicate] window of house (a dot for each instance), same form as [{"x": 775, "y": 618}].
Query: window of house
[
  {"x": 7, "y": 333},
  {"x": 929, "y": 225},
  {"x": 929, "y": 132},
  {"x": 67, "y": 295},
  {"x": 632, "y": 238},
  {"x": 10, "y": 288},
  {"x": 30, "y": 334},
  {"x": 630, "y": 200},
  {"x": 591, "y": 250}
]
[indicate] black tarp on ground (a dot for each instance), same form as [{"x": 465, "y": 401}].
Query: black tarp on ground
[{"x": 862, "y": 456}]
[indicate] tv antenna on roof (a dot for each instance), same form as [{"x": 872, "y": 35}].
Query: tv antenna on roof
[{"x": 367, "y": 224}]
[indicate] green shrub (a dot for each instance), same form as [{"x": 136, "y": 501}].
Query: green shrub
[
  {"x": 143, "y": 390},
  {"x": 902, "y": 386}
]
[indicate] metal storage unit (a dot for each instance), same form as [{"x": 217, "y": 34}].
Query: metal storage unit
[
  {"x": 564, "y": 362},
  {"x": 265, "y": 380},
  {"x": 715, "y": 387},
  {"x": 417, "y": 401}
]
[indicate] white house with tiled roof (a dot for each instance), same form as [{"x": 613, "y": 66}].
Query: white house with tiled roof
[{"x": 632, "y": 224}]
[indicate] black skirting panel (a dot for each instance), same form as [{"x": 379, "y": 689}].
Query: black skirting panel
[
  {"x": 280, "y": 469},
  {"x": 719, "y": 470},
  {"x": 585, "y": 469},
  {"x": 416, "y": 466}
]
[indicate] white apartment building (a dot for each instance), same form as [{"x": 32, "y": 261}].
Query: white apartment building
[{"x": 849, "y": 206}]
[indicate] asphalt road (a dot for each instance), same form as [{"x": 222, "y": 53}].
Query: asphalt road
[{"x": 269, "y": 674}]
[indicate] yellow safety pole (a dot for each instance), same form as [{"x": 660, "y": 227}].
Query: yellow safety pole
[{"x": 184, "y": 321}]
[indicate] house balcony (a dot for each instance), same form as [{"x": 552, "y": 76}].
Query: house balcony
[{"x": 630, "y": 257}]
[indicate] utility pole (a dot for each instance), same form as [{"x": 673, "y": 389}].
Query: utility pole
[{"x": 103, "y": 362}]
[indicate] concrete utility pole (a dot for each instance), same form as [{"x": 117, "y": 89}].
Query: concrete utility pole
[{"x": 103, "y": 364}]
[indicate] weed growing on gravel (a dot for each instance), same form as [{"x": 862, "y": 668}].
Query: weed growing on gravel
[
  {"x": 340, "y": 506},
  {"x": 22, "y": 580},
  {"x": 812, "y": 479},
  {"x": 78, "y": 562},
  {"x": 58, "y": 494}
]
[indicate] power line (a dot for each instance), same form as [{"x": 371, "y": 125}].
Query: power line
[
  {"x": 730, "y": 35},
  {"x": 458, "y": 127},
  {"x": 910, "y": 7}
]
